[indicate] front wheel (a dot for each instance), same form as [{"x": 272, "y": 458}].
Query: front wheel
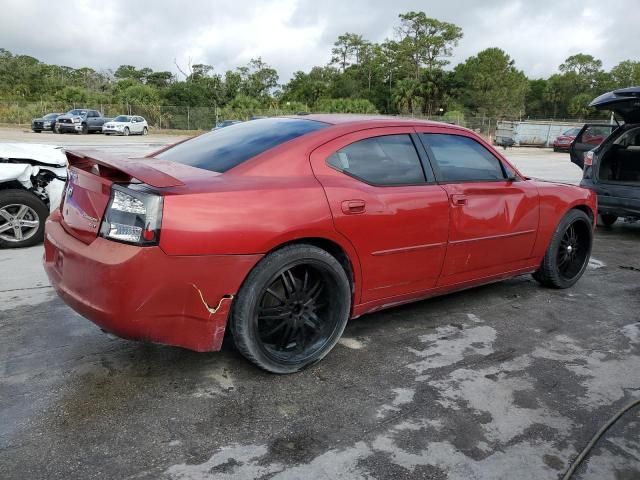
[
  {"x": 291, "y": 309},
  {"x": 568, "y": 254},
  {"x": 607, "y": 219},
  {"x": 22, "y": 217},
  {"x": 126, "y": 131},
  {"x": 145, "y": 131}
]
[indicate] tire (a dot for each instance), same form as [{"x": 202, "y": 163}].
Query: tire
[
  {"x": 145, "y": 131},
  {"x": 607, "y": 219},
  {"x": 37, "y": 131},
  {"x": 11, "y": 201},
  {"x": 84, "y": 130},
  {"x": 291, "y": 309},
  {"x": 126, "y": 131},
  {"x": 569, "y": 250},
  {"x": 555, "y": 149}
]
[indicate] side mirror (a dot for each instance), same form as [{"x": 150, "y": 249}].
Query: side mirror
[{"x": 512, "y": 177}]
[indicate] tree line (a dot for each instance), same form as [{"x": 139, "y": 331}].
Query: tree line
[{"x": 407, "y": 74}]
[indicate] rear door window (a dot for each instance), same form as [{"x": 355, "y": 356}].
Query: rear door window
[
  {"x": 385, "y": 160},
  {"x": 223, "y": 149},
  {"x": 458, "y": 158}
]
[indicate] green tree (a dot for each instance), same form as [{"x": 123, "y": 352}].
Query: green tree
[
  {"x": 491, "y": 84},
  {"x": 347, "y": 50},
  {"x": 407, "y": 95},
  {"x": 73, "y": 95},
  {"x": 626, "y": 74},
  {"x": 426, "y": 42}
]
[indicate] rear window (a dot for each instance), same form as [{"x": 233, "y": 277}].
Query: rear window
[{"x": 221, "y": 150}]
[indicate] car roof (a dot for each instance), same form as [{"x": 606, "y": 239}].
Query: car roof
[{"x": 349, "y": 118}]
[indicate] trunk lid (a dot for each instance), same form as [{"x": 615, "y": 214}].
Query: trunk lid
[
  {"x": 625, "y": 102},
  {"x": 91, "y": 175}
]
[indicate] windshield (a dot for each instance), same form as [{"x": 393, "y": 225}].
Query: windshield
[
  {"x": 78, "y": 113},
  {"x": 572, "y": 132},
  {"x": 122, "y": 118},
  {"x": 221, "y": 150}
]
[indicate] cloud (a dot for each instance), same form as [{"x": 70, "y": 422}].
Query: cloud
[{"x": 298, "y": 34}]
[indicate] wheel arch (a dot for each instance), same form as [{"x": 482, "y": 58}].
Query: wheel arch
[
  {"x": 348, "y": 260},
  {"x": 586, "y": 209}
]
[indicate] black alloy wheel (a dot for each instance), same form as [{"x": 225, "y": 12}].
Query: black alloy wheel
[
  {"x": 292, "y": 309},
  {"x": 568, "y": 253}
]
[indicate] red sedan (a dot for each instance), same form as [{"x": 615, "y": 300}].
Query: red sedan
[{"x": 282, "y": 229}]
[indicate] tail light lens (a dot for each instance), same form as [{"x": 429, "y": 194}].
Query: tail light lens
[
  {"x": 133, "y": 215},
  {"x": 588, "y": 158}
]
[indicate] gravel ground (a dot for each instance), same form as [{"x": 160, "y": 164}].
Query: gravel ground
[{"x": 504, "y": 381}]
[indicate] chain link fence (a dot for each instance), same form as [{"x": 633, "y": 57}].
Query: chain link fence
[
  {"x": 204, "y": 118},
  {"x": 158, "y": 116}
]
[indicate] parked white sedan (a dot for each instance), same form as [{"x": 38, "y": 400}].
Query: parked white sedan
[{"x": 126, "y": 125}]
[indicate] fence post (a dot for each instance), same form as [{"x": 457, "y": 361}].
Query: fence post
[
  {"x": 548, "y": 133},
  {"x": 188, "y": 120},
  {"x": 160, "y": 117}
]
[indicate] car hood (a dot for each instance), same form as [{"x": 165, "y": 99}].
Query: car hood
[
  {"x": 625, "y": 102},
  {"x": 42, "y": 154}
]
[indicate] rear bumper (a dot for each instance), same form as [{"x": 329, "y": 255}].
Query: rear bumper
[
  {"x": 140, "y": 293},
  {"x": 627, "y": 206},
  {"x": 621, "y": 207}
]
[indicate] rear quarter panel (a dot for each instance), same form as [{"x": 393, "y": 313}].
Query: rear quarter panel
[
  {"x": 555, "y": 201},
  {"x": 244, "y": 215}
]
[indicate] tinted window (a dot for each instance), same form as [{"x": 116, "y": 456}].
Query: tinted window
[
  {"x": 223, "y": 149},
  {"x": 121, "y": 118},
  {"x": 459, "y": 158},
  {"x": 386, "y": 160}
]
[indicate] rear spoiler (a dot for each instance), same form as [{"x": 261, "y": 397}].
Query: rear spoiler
[{"x": 111, "y": 165}]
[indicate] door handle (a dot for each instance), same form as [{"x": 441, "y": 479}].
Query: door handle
[
  {"x": 351, "y": 207},
  {"x": 458, "y": 200}
]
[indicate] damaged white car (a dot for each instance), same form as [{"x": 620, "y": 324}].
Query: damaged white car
[{"x": 32, "y": 179}]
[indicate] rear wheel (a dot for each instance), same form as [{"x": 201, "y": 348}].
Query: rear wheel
[
  {"x": 607, "y": 219},
  {"x": 568, "y": 254},
  {"x": 22, "y": 217},
  {"x": 291, "y": 309}
]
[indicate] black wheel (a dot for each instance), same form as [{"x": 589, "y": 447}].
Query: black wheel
[
  {"x": 126, "y": 131},
  {"x": 607, "y": 219},
  {"x": 145, "y": 131},
  {"x": 291, "y": 309},
  {"x": 85, "y": 129},
  {"x": 37, "y": 131},
  {"x": 568, "y": 254},
  {"x": 22, "y": 217}
]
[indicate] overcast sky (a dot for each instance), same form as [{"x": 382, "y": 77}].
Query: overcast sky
[{"x": 297, "y": 34}]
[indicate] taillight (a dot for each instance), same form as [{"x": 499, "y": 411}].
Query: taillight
[
  {"x": 133, "y": 215},
  {"x": 588, "y": 158}
]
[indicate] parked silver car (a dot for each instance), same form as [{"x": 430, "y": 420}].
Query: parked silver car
[{"x": 126, "y": 125}]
